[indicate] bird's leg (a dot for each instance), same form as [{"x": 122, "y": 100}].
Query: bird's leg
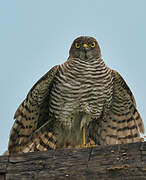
[
  {"x": 86, "y": 118},
  {"x": 83, "y": 138},
  {"x": 84, "y": 145}
]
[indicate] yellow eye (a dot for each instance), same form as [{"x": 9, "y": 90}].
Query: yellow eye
[
  {"x": 77, "y": 45},
  {"x": 93, "y": 44}
]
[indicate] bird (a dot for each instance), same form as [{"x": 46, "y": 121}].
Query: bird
[{"x": 80, "y": 103}]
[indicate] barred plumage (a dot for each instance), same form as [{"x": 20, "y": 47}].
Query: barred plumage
[
  {"x": 89, "y": 85},
  {"x": 81, "y": 93}
]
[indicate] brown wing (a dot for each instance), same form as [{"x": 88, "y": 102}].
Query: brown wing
[
  {"x": 32, "y": 113},
  {"x": 123, "y": 123}
]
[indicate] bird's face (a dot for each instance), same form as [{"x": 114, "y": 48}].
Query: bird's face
[{"x": 85, "y": 48}]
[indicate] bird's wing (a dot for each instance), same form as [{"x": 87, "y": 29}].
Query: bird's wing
[
  {"x": 32, "y": 113},
  {"x": 122, "y": 124}
]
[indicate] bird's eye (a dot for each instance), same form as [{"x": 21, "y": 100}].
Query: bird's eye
[
  {"x": 77, "y": 45},
  {"x": 92, "y": 44}
]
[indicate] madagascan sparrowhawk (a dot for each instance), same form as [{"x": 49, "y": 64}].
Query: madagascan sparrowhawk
[{"x": 75, "y": 104}]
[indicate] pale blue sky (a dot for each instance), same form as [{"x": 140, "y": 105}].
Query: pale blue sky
[{"x": 37, "y": 34}]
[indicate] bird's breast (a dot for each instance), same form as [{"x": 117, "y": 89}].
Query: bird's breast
[{"x": 80, "y": 87}]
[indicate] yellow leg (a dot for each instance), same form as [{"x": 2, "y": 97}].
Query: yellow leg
[
  {"x": 84, "y": 145},
  {"x": 83, "y": 138}
]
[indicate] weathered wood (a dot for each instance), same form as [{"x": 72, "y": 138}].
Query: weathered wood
[
  {"x": 2, "y": 176},
  {"x": 115, "y": 162}
]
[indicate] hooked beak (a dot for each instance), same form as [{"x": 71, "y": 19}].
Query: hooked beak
[{"x": 85, "y": 47}]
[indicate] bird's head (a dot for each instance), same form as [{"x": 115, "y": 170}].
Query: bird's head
[{"x": 85, "y": 48}]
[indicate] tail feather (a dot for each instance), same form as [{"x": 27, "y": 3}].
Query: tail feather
[{"x": 39, "y": 141}]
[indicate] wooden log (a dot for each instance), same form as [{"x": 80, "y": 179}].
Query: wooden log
[{"x": 114, "y": 162}]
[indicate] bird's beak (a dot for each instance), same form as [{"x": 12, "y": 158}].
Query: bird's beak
[{"x": 85, "y": 47}]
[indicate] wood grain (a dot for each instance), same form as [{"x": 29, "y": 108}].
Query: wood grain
[{"x": 115, "y": 162}]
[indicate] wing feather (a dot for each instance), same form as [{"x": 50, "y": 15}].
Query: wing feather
[
  {"x": 122, "y": 123},
  {"x": 32, "y": 113}
]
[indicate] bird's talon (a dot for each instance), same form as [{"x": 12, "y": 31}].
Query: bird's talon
[{"x": 83, "y": 146}]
